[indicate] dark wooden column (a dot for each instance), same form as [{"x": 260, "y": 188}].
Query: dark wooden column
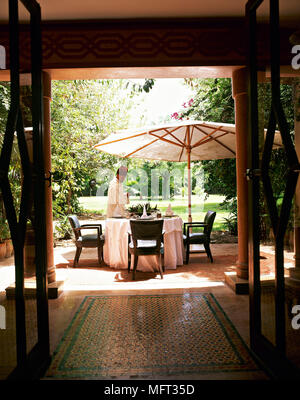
[
  {"x": 295, "y": 272},
  {"x": 48, "y": 188}
]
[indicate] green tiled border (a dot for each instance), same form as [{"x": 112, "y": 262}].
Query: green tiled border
[{"x": 59, "y": 372}]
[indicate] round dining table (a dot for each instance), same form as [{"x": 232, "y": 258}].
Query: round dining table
[{"x": 115, "y": 251}]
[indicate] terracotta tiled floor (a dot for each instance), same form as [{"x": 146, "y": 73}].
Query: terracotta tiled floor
[{"x": 199, "y": 275}]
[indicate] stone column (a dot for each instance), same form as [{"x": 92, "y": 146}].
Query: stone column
[
  {"x": 48, "y": 188},
  {"x": 239, "y": 93}
]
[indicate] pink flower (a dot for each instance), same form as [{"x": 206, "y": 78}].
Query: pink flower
[
  {"x": 174, "y": 115},
  {"x": 190, "y": 102},
  {"x": 184, "y": 105}
]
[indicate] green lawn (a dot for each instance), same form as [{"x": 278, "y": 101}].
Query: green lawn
[{"x": 179, "y": 206}]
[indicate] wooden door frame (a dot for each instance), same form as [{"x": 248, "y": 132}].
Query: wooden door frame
[
  {"x": 272, "y": 356},
  {"x": 33, "y": 364}
]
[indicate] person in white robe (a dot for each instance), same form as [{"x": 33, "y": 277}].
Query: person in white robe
[{"x": 117, "y": 199}]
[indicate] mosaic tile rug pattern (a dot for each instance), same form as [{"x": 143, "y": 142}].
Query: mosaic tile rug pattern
[{"x": 144, "y": 335}]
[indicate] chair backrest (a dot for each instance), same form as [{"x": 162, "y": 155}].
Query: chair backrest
[
  {"x": 147, "y": 230},
  {"x": 209, "y": 220},
  {"x": 75, "y": 224}
]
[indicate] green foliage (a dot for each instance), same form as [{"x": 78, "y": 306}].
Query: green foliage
[
  {"x": 4, "y": 229},
  {"x": 170, "y": 176},
  {"x": 213, "y": 101},
  {"x": 82, "y": 114},
  {"x": 220, "y": 177},
  {"x": 231, "y": 222},
  {"x": 4, "y": 107},
  {"x": 179, "y": 206},
  {"x": 139, "y": 88},
  {"x": 63, "y": 228},
  {"x": 278, "y": 167},
  {"x": 14, "y": 171}
]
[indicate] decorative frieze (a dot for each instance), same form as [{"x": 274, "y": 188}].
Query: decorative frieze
[{"x": 138, "y": 43}]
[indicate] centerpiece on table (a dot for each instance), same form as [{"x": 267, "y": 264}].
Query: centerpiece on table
[{"x": 138, "y": 209}]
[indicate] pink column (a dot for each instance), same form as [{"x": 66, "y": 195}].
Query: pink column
[{"x": 239, "y": 91}]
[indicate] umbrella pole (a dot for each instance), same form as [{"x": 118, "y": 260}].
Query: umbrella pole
[
  {"x": 188, "y": 149},
  {"x": 189, "y": 189}
]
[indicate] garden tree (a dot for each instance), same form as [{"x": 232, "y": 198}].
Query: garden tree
[
  {"x": 169, "y": 174},
  {"x": 82, "y": 114},
  {"x": 4, "y": 107},
  {"x": 278, "y": 163},
  {"x": 136, "y": 87},
  {"x": 213, "y": 102}
]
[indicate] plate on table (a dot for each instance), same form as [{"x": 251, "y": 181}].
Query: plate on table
[
  {"x": 118, "y": 216},
  {"x": 149, "y": 217}
]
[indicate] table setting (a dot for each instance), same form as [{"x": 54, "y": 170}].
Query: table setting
[{"x": 116, "y": 238}]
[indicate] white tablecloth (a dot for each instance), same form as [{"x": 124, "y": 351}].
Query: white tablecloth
[{"x": 115, "y": 249}]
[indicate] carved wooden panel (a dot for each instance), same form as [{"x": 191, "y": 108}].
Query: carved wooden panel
[{"x": 138, "y": 43}]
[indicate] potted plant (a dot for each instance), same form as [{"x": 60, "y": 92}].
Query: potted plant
[
  {"x": 231, "y": 223},
  {"x": 138, "y": 209},
  {"x": 3, "y": 235},
  {"x": 5, "y": 240},
  {"x": 9, "y": 248}
]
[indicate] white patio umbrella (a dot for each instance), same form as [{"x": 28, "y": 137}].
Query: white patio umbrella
[{"x": 183, "y": 141}]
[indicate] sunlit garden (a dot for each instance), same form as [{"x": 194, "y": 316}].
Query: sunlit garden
[
  {"x": 98, "y": 204},
  {"x": 84, "y": 113}
]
